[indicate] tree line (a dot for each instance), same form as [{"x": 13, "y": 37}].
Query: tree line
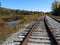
[
  {"x": 5, "y": 11},
  {"x": 56, "y": 8}
]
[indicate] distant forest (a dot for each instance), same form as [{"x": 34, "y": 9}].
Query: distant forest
[{"x": 5, "y": 11}]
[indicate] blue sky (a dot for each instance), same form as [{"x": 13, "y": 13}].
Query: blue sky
[{"x": 34, "y": 5}]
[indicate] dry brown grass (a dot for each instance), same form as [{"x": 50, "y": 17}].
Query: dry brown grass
[
  {"x": 57, "y": 17},
  {"x": 8, "y": 30}
]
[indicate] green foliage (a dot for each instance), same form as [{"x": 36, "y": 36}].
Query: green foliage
[{"x": 56, "y": 8}]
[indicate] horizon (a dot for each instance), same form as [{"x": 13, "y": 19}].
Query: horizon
[{"x": 35, "y": 5}]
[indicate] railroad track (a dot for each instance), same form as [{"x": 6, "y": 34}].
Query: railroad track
[
  {"x": 38, "y": 32},
  {"x": 58, "y": 20},
  {"x": 54, "y": 26}
]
